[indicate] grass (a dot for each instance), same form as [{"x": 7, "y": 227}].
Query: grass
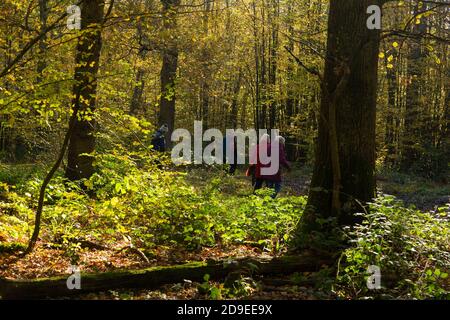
[{"x": 414, "y": 190}]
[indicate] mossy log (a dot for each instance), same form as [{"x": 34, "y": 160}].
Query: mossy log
[{"x": 156, "y": 276}]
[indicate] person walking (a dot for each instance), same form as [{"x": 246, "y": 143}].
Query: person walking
[
  {"x": 274, "y": 181},
  {"x": 262, "y": 148},
  {"x": 159, "y": 138}
]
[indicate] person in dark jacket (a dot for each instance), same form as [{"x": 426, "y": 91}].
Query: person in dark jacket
[{"x": 159, "y": 138}]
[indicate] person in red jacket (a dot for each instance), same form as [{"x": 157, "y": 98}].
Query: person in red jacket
[
  {"x": 274, "y": 180},
  {"x": 255, "y": 156}
]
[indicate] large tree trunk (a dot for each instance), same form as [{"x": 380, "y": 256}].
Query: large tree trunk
[
  {"x": 169, "y": 68},
  {"x": 82, "y": 141},
  {"x": 443, "y": 143},
  {"x": 344, "y": 167}
]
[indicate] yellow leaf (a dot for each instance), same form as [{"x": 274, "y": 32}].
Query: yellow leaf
[
  {"x": 89, "y": 184},
  {"x": 114, "y": 201},
  {"x": 390, "y": 66}
]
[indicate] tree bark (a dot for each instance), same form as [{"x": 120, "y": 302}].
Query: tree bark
[
  {"x": 205, "y": 70},
  {"x": 274, "y": 24},
  {"x": 343, "y": 176},
  {"x": 290, "y": 99},
  {"x": 138, "y": 91},
  {"x": 169, "y": 68},
  {"x": 410, "y": 150},
  {"x": 82, "y": 141},
  {"x": 389, "y": 139},
  {"x": 42, "y": 63},
  {"x": 234, "y": 101}
]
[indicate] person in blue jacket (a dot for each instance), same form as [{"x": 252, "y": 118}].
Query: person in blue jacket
[{"x": 159, "y": 138}]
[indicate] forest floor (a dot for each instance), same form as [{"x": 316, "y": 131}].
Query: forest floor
[{"x": 47, "y": 261}]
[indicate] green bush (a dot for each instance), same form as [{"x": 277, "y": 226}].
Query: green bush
[
  {"x": 411, "y": 248},
  {"x": 131, "y": 197}
]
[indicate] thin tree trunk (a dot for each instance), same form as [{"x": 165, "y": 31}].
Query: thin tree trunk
[
  {"x": 205, "y": 76},
  {"x": 257, "y": 69},
  {"x": 410, "y": 152},
  {"x": 290, "y": 99},
  {"x": 138, "y": 91},
  {"x": 42, "y": 63},
  {"x": 274, "y": 65},
  {"x": 392, "y": 108},
  {"x": 136, "y": 105},
  {"x": 234, "y": 102},
  {"x": 169, "y": 68}
]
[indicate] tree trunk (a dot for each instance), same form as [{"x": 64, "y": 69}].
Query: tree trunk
[
  {"x": 410, "y": 151},
  {"x": 82, "y": 141},
  {"x": 169, "y": 68},
  {"x": 257, "y": 99},
  {"x": 138, "y": 91},
  {"x": 290, "y": 99},
  {"x": 392, "y": 109},
  {"x": 274, "y": 14},
  {"x": 263, "y": 72},
  {"x": 42, "y": 63},
  {"x": 345, "y": 151},
  {"x": 234, "y": 102},
  {"x": 205, "y": 72}
]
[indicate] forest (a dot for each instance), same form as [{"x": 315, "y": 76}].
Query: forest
[{"x": 138, "y": 138}]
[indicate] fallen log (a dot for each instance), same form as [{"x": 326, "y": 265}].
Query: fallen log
[{"x": 154, "y": 277}]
